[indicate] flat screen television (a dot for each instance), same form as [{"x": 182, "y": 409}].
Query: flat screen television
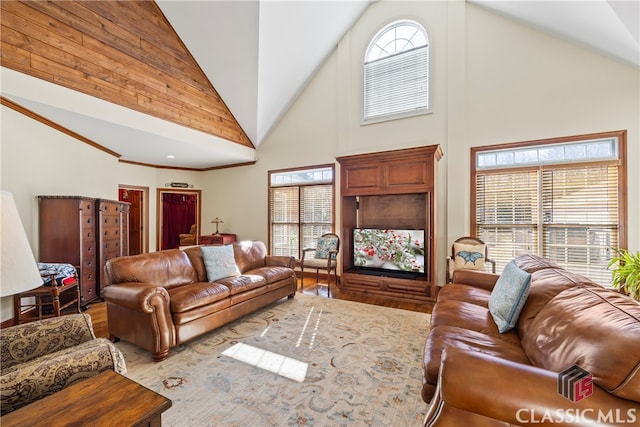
[{"x": 397, "y": 252}]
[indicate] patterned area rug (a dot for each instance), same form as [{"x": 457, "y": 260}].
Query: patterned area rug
[{"x": 363, "y": 368}]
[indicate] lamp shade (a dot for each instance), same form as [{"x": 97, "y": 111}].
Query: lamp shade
[{"x": 18, "y": 268}]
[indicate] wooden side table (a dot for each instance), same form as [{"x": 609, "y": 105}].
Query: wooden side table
[
  {"x": 217, "y": 239},
  {"x": 45, "y": 296},
  {"x": 107, "y": 399}
]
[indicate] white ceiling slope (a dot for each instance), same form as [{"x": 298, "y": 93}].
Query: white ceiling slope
[
  {"x": 612, "y": 27},
  {"x": 260, "y": 54}
]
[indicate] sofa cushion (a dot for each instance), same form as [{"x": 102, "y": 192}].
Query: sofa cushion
[
  {"x": 469, "y": 316},
  {"x": 219, "y": 262},
  {"x": 466, "y": 293},
  {"x": 195, "y": 256},
  {"x": 167, "y": 268},
  {"x": 468, "y": 256},
  {"x": 546, "y": 284},
  {"x": 188, "y": 297},
  {"x": 595, "y": 328},
  {"x": 442, "y": 337},
  {"x": 531, "y": 263},
  {"x": 272, "y": 274},
  {"x": 508, "y": 296},
  {"x": 243, "y": 283},
  {"x": 249, "y": 255}
]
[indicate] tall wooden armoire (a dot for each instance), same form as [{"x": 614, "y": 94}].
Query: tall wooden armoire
[{"x": 84, "y": 232}]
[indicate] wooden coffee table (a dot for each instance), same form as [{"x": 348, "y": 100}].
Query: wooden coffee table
[{"x": 108, "y": 399}]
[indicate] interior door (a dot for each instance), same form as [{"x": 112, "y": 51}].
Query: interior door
[
  {"x": 138, "y": 218},
  {"x": 177, "y": 211}
]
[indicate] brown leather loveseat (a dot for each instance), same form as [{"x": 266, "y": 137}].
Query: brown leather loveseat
[
  {"x": 475, "y": 375},
  {"x": 162, "y": 299}
]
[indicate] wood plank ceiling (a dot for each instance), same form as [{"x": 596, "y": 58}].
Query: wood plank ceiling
[{"x": 124, "y": 52}]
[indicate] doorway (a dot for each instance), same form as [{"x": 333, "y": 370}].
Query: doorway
[
  {"x": 178, "y": 210},
  {"x": 138, "y": 197}
]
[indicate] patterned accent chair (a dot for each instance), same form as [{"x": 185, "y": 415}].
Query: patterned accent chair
[
  {"x": 325, "y": 257},
  {"x": 42, "y": 357},
  {"x": 469, "y": 253}
]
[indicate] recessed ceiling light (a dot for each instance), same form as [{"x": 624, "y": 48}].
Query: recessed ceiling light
[{"x": 170, "y": 156}]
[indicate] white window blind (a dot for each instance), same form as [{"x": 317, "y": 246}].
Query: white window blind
[
  {"x": 507, "y": 214},
  {"x": 317, "y": 213},
  {"x": 396, "y": 72},
  {"x": 299, "y": 214},
  {"x": 397, "y": 84},
  {"x": 565, "y": 208},
  {"x": 580, "y": 208},
  {"x": 284, "y": 213}
]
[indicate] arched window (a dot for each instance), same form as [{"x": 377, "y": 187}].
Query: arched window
[{"x": 396, "y": 72}]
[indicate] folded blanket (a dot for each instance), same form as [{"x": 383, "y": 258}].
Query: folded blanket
[{"x": 63, "y": 273}]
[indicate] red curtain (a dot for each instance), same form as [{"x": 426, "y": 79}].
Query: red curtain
[{"x": 178, "y": 215}]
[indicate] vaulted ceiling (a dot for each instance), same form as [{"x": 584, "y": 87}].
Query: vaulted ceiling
[{"x": 116, "y": 75}]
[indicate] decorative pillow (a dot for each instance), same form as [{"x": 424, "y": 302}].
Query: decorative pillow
[
  {"x": 324, "y": 245},
  {"x": 219, "y": 262},
  {"x": 470, "y": 257},
  {"x": 508, "y": 296}
]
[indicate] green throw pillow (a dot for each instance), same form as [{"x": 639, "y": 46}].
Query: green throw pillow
[
  {"x": 508, "y": 296},
  {"x": 219, "y": 262},
  {"x": 324, "y": 245}
]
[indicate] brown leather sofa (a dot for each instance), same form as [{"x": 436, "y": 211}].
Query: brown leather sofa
[
  {"x": 474, "y": 375},
  {"x": 162, "y": 299}
]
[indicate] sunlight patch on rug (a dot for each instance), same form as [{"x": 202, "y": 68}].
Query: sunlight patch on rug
[{"x": 269, "y": 361}]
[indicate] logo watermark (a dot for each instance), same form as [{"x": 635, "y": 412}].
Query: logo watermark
[{"x": 576, "y": 384}]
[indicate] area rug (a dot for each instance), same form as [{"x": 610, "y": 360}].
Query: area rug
[{"x": 363, "y": 368}]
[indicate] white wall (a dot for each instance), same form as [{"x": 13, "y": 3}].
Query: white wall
[
  {"x": 493, "y": 81},
  {"x": 524, "y": 85},
  {"x": 38, "y": 160}
]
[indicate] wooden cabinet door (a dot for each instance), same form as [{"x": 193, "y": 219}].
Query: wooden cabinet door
[
  {"x": 366, "y": 178},
  {"x": 408, "y": 175}
]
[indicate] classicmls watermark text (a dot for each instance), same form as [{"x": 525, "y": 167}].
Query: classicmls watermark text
[{"x": 576, "y": 384}]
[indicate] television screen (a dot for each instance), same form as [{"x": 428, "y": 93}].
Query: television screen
[{"x": 385, "y": 249}]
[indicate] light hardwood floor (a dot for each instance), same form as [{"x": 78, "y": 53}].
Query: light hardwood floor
[{"x": 98, "y": 311}]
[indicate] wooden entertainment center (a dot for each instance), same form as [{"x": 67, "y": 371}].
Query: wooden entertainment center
[{"x": 390, "y": 190}]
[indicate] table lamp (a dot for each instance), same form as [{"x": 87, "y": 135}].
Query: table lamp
[
  {"x": 217, "y": 221},
  {"x": 18, "y": 268}
]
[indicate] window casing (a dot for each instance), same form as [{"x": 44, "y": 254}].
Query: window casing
[
  {"x": 562, "y": 199},
  {"x": 301, "y": 208},
  {"x": 396, "y": 73}
]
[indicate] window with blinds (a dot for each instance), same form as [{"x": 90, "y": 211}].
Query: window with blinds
[
  {"x": 565, "y": 206},
  {"x": 396, "y": 72},
  {"x": 301, "y": 208}
]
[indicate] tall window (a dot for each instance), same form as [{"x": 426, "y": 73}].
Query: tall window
[
  {"x": 301, "y": 208},
  {"x": 396, "y": 72},
  {"x": 562, "y": 199}
]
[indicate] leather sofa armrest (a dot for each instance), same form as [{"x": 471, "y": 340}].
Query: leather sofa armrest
[
  {"x": 143, "y": 297},
  {"x": 282, "y": 261},
  {"x": 477, "y": 278},
  {"x": 521, "y": 394}
]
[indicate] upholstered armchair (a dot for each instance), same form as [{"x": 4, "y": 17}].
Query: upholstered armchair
[
  {"x": 42, "y": 357},
  {"x": 469, "y": 253},
  {"x": 190, "y": 238},
  {"x": 323, "y": 257}
]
